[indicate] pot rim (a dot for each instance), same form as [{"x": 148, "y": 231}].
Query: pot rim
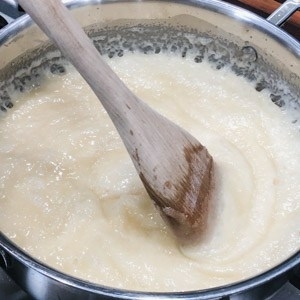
[
  {"x": 240, "y": 14},
  {"x": 17, "y": 253},
  {"x": 237, "y": 13}
]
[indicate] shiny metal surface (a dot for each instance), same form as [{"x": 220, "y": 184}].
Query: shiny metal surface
[
  {"x": 280, "y": 15},
  {"x": 42, "y": 282}
]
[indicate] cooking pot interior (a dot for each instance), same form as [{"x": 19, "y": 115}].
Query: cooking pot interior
[{"x": 211, "y": 30}]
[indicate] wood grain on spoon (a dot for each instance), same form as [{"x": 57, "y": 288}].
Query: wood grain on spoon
[{"x": 174, "y": 167}]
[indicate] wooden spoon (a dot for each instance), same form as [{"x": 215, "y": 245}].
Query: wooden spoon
[{"x": 174, "y": 167}]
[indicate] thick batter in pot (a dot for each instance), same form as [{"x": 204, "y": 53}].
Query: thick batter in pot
[{"x": 71, "y": 197}]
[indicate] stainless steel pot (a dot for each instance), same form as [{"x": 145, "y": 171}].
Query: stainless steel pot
[{"x": 265, "y": 49}]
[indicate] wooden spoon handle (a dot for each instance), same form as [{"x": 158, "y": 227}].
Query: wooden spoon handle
[{"x": 55, "y": 20}]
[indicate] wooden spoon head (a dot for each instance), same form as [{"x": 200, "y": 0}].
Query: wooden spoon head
[{"x": 186, "y": 211}]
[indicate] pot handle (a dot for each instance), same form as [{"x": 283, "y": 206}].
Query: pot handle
[
  {"x": 282, "y": 13},
  {"x": 5, "y": 253},
  {"x": 4, "y": 260}
]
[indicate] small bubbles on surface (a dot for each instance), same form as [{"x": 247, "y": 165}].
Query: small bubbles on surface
[
  {"x": 248, "y": 54},
  {"x": 184, "y": 52},
  {"x": 198, "y": 59},
  {"x": 35, "y": 72},
  {"x": 147, "y": 49},
  {"x": 261, "y": 85},
  {"x": 8, "y": 104},
  {"x": 121, "y": 53},
  {"x": 57, "y": 69},
  {"x": 111, "y": 54},
  {"x": 277, "y": 100},
  {"x": 157, "y": 50},
  {"x": 173, "y": 48}
]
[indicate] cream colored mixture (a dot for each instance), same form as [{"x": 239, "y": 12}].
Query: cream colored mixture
[{"x": 70, "y": 195}]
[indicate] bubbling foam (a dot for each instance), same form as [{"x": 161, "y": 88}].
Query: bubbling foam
[{"x": 153, "y": 39}]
